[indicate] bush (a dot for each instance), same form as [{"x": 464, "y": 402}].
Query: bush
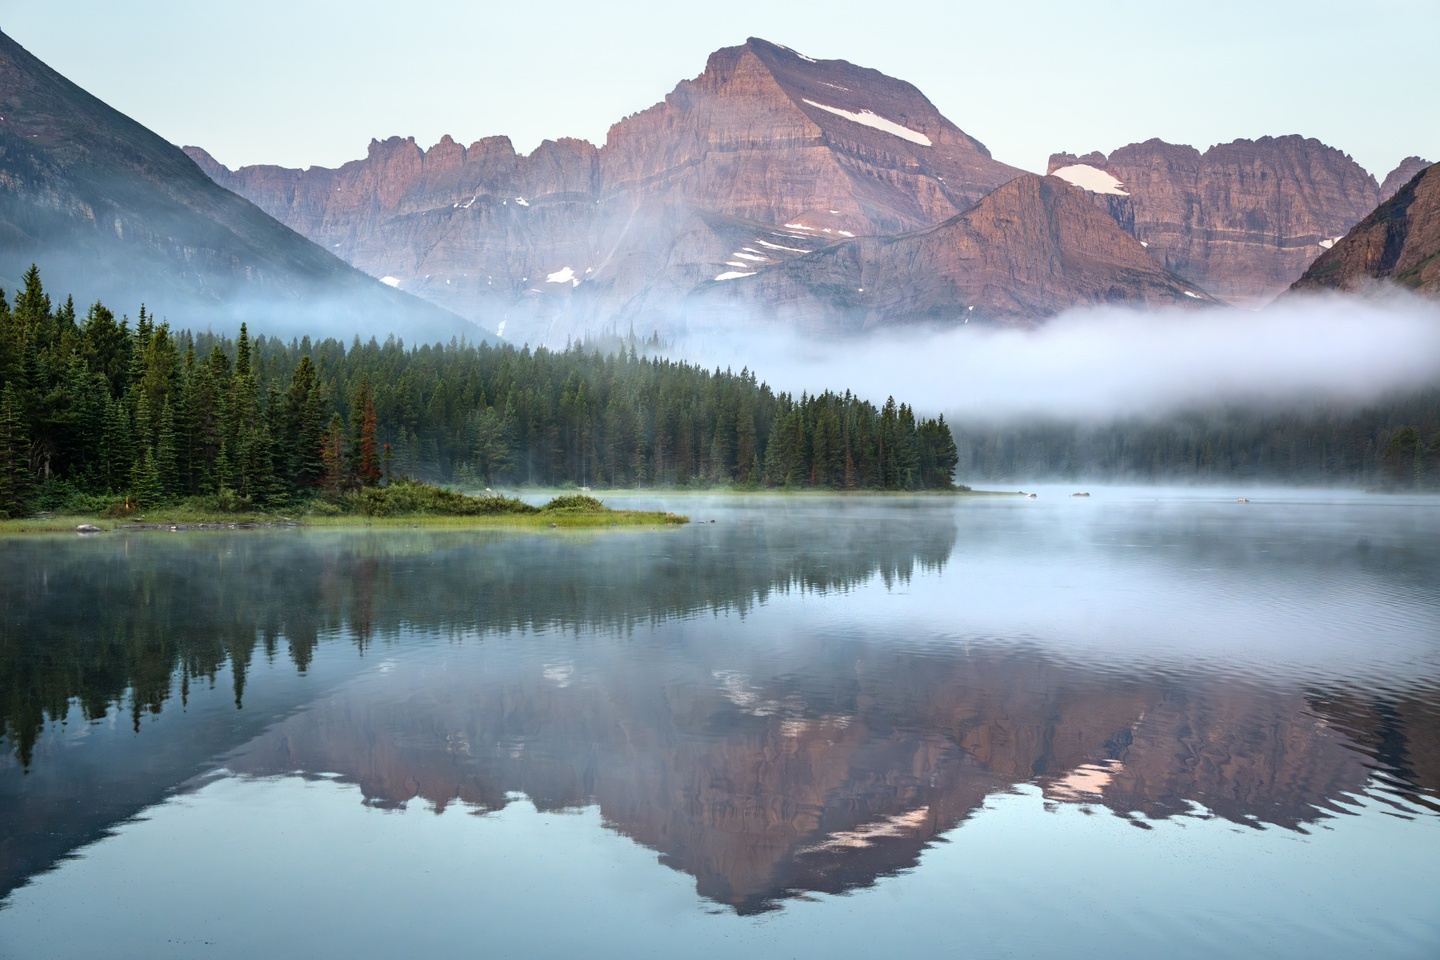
[
  {"x": 410, "y": 497},
  {"x": 574, "y": 503},
  {"x": 62, "y": 496}
]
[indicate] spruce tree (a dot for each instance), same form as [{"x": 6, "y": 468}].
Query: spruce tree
[
  {"x": 364, "y": 461},
  {"x": 14, "y": 455}
]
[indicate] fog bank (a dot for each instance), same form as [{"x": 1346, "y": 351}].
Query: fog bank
[{"x": 1099, "y": 363}]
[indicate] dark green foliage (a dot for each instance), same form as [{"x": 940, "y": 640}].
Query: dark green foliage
[
  {"x": 574, "y": 503},
  {"x": 146, "y": 416},
  {"x": 412, "y": 498},
  {"x": 14, "y": 455}
]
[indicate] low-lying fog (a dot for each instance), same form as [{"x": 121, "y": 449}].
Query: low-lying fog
[{"x": 1098, "y": 363}]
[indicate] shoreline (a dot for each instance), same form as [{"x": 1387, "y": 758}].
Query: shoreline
[
  {"x": 176, "y": 520},
  {"x": 77, "y": 523}
]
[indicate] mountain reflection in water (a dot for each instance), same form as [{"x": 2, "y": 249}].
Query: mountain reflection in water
[{"x": 800, "y": 701}]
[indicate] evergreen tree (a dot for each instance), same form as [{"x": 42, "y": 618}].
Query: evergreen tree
[
  {"x": 14, "y": 455},
  {"x": 364, "y": 464}
]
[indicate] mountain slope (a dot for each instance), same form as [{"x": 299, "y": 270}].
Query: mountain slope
[
  {"x": 1242, "y": 219},
  {"x": 111, "y": 211},
  {"x": 572, "y": 236},
  {"x": 1399, "y": 241},
  {"x": 1030, "y": 249}
]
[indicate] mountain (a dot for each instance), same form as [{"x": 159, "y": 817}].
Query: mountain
[
  {"x": 1401, "y": 175},
  {"x": 573, "y": 236},
  {"x": 1027, "y": 250},
  {"x": 111, "y": 211},
  {"x": 1242, "y": 219},
  {"x": 1399, "y": 241}
]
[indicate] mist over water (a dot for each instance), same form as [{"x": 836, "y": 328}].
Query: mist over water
[{"x": 1096, "y": 364}]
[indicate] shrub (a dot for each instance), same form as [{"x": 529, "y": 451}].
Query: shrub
[{"x": 574, "y": 503}]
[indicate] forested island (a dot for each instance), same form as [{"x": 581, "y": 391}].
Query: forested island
[{"x": 99, "y": 416}]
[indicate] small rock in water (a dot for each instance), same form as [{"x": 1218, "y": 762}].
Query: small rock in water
[
  {"x": 87, "y": 528},
  {"x": 1032, "y": 496},
  {"x": 1082, "y": 494}
]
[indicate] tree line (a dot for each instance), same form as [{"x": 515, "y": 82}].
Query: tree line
[
  {"x": 95, "y": 407},
  {"x": 1392, "y": 445}
]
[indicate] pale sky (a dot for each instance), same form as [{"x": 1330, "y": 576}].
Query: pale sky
[{"x": 301, "y": 82}]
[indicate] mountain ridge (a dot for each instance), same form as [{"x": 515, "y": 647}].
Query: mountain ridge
[
  {"x": 1398, "y": 242},
  {"x": 1242, "y": 218},
  {"x": 112, "y": 211}
]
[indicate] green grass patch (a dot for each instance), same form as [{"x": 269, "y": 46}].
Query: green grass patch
[{"x": 402, "y": 503}]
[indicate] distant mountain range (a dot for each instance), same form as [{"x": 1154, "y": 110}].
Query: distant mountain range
[
  {"x": 1243, "y": 219},
  {"x": 111, "y": 211},
  {"x": 819, "y": 193},
  {"x": 771, "y": 187}
]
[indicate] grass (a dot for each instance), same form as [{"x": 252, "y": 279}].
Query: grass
[{"x": 402, "y": 503}]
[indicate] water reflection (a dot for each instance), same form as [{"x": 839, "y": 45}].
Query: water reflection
[{"x": 800, "y": 702}]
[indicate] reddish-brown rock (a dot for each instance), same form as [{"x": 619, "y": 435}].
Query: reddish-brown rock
[
  {"x": 1243, "y": 219},
  {"x": 762, "y": 137},
  {"x": 1028, "y": 250},
  {"x": 1398, "y": 242},
  {"x": 1403, "y": 173}
]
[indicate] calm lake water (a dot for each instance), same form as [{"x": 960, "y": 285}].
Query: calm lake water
[{"x": 1146, "y": 723}]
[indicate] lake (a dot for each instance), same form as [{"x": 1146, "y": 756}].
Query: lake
[{"x": 1150, "y": 722}]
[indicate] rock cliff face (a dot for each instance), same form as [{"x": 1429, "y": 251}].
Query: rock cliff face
[
  {"x": 767, "y": 134},
  {"x": 1398, "y": 242},
  {"x": 1401, "y": 175},
  {"x": 573, "y": 237},
  {"x": 1028, "y": 250},
  {"x": 768, "y": 155},
  {"x": 109, "y": 210},
  {"x": 1243, "y": 219}
]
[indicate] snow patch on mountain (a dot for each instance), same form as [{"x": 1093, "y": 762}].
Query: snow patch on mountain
[
  {"x": 874, "y": 121},
  {"x": 780, "y": 246},
  {"x": 1092, "y": 179}
]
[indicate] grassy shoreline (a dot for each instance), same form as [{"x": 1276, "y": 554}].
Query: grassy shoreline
[
  {"x": 410, "y": 504},
  {"x": 404, "y": 503},
  {"x": 160, "y": 520}
]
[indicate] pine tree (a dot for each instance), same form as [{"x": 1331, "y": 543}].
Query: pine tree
[
  {"x": 364, "y": 465},
  {"x": 491, "y": 445},
  {"x": 304, "y": 426},
  {"x": 15, "y": 474},
  {"x": 145, "y": 489},
  {"x": 333, "y": 456},
  {"x": 167, "y": 463}
]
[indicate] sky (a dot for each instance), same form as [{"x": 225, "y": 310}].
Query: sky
[{"x": 302, "y": 82}]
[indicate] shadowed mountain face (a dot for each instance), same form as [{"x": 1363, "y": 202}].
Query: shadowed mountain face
[
  {"x": 800, "y": 702},
  {"x": 110, "y": 211},
  {"x": 1398, "y": 242},
  {"x": 1243, "y": 219}
]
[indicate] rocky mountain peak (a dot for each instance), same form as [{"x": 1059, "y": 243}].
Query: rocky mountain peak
[{"x": 1403, "y": 173}]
